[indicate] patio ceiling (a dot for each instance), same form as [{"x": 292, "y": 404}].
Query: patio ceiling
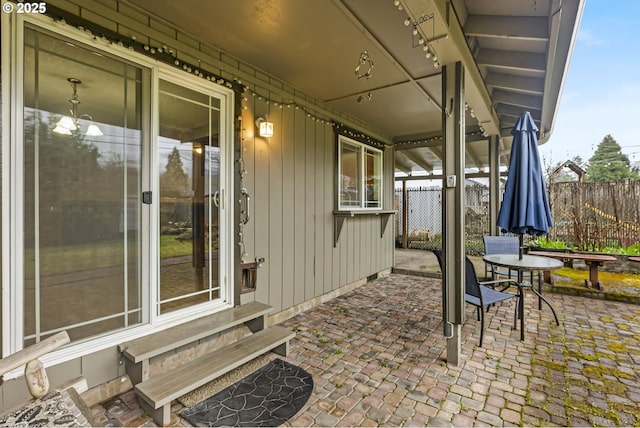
[{"x": 515, "y": 52}]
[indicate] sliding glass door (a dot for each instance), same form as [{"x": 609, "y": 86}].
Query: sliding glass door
[
  {"x": 189, "y": 168},
  {"x": 82, "y": 149},
  {"x": 121, "y": 201}
]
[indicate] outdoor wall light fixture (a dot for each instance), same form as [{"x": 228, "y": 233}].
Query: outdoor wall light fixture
[
  {"x": 68, "y": 124},
  {"x": 265, "y": 127}
]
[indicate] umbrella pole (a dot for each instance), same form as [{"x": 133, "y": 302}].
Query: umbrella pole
[{"x": 521, "y": 246}]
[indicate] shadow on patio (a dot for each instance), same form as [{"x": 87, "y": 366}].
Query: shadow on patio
[{"x": 377, "y": 357}]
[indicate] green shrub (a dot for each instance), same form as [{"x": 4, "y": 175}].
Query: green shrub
[
  {"x": 631, "y": 250},
  {"x": 544, "y": 242}
]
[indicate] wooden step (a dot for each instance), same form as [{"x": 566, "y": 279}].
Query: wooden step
[
  {"x": 138, "y": 352},
  {"x": 158, "y": 392}
]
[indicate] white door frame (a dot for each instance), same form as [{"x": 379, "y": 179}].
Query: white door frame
[{"x": 12, "y": 30}]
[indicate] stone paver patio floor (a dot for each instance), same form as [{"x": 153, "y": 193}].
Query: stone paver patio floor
[{"x": 377, "y": 356}]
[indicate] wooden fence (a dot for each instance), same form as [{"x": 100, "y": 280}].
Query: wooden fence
[{"x": 592, "y": 216}]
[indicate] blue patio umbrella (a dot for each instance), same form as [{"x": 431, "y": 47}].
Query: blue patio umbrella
[{"x": 525, "y": 207}]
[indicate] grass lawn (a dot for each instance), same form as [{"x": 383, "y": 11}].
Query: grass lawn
[
  {"x": 172, "y": 247},
  {"x": 614, "y": 282},
  {"x": 73, "y": 258}
]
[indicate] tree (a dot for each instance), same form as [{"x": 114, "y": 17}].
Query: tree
[
  {"x": 608, "y": 163},
  {"x": 174, "y": 181},
  {"x": 60, "y": 175}
]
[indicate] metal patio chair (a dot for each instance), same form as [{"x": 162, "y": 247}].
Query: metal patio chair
[
  {"x": 482, "y": 294},
  {"x": 504, "y": 245}
]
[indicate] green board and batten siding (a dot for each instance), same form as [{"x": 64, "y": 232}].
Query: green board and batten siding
[
  {"x": 291, "y": 181},
  {"x": 290, "y": 176}
]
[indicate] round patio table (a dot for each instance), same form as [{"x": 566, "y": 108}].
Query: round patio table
[{"x": 526, "y": 263}]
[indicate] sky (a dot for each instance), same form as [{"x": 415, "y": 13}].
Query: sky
[{"x": 601, "y": 92}]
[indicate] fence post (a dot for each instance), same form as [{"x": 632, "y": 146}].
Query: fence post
[{"x": 405, "y": 214}]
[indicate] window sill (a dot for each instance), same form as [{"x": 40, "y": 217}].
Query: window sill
[{"x": 340, "y": 216}]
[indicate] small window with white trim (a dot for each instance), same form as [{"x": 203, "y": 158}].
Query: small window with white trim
[{"x": 360, "y": 175}]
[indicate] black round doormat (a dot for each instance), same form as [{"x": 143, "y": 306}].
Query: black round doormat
[{"x": 267, "y": 397}]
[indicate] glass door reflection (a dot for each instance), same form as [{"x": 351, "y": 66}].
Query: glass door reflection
[{"x": 189, "y": 156}]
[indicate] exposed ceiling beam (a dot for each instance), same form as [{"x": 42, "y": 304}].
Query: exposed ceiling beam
[
  {"x": 419, "y": 177},
  {"x": 433, "y": 140},
  {"x": 447, "y": 14},
  {"x": 527, "y": 85},
  {"x": 505, "y": 133},
  {"x": 509, "y": 122},
  {"x": 510, "y": 27},
  {"x": 400, "y": 165},
  {"x": 512, "y": 60},
  {"x": 418, "y": 140},
  {"x": 437, "y": 150},
  {"x": 353, "y": 17},
  {"x": 420, "y": 81},
  {"x": 504, "y": 158},
  {"x": 474, "y": 136},
  {"x": 373, "y": 89},
  {"x": 521, "y": 100},
  {"x": 472, "y": 153},
  {"x": 510, "y": 110},
  {"x": 418, "y": 160}
]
